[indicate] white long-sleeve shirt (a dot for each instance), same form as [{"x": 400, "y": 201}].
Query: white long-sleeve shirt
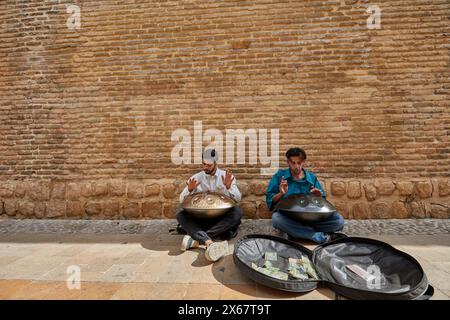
[{"x": 213, "y": 183}]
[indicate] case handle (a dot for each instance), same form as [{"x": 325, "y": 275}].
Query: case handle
[{"x": 427, "y": 294}]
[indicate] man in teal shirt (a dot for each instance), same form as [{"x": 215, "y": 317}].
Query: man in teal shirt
[{"x": 296, "y": 180}]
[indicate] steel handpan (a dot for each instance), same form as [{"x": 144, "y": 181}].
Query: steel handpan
[
  {"x": 305, "y": 207},
  {"x": 208, "y": 204}
]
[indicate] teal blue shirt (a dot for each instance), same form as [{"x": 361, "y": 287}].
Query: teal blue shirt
[{"x": 302, "y": 186}]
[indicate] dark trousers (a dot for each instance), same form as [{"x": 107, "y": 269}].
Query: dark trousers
[{"x": 219, "y": 228}]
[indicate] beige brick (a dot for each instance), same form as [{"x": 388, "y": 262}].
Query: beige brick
[
  {"x": 354, "y": 190},
  {"x": 243, "y": 188},
  {"x": 424, "y": 189},
  {"x": 56, "y": 209},
  {"x": 73, "y": 191},
  {"x": 100, "y": 188},
  {"x": 169, "y": 191},
  {"x": 370, "y": 191},
  {"x": 59, "y": 191},
  {"x": 444, "y": 187},
  {"x": 248, "y": 209},
  {"x": 342, "y": 208},
  {"x": 74, "y": 209},
  {"x": 116, "y": 187},
  {"x": 440, "y": 210},
  {"x": 87, "y": 189},
  {"x": 338, "y": 188},
  {"x": 405, "y": 188},
  {"x": 135, "y": 190},
  {"x": 39, "y": 191},
  {"x": 6, "y": 190},
  {"x": 10, "y": 207},
  {"x": 111, "y": 208},
  {"x": 152, "y": 209},
  {"x": 379, "y": 210},
  {"x": 258, "y": 188},
  {"x": 385, "y": 188},
  {"x": 170, "y": 210},
  {"x": 21, "y": 189},
  {"x": 399, "y": 210},
  {"x": 131, "y": 209},
  {"x": 263, "y": 211},
  {"x": 93, "y": 208},
  {"x": 25, "y": 208},
  {"x": 152, "y": 190},
  {"x": 418, "y": 209},
  {"x": 360, "y": 211},
  {"x": 40, "y": 209}
]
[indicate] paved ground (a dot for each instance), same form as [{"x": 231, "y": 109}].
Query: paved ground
[{"x": 142, "y": 260}]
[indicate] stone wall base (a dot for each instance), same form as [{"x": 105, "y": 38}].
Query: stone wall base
[{"x": 148, "y": 199}]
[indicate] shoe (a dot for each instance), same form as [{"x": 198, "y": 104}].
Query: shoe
[
  {"x": 335, "y": 236},
  {"x": 180, "y": 229},
  {"x": 287, "y": 236},
  {"x": 188, "y": 243},
  {"x": 232, "y": 233},
  {"x": 216, "y": 250}
]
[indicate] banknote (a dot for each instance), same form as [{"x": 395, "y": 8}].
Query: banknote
[
  {"x": 271, "y": 272},
  {"x": 271, "y": 256}
]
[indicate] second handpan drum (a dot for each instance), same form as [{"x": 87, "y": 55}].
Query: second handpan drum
[
  {"x": 306, "y": 208},
  {"x": 208, "y": 204}
]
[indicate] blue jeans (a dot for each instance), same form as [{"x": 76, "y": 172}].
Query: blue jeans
[{"x": 315, "y": 231}]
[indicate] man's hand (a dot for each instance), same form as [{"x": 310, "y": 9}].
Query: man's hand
[
  {"x": 192, "y": 184},
  {"x": 228, "y": 179},
  {"x": 316, "y": 191},
  {"x": 283, "y": 186}
]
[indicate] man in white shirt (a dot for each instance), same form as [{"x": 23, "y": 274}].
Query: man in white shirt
[{"x": 205, "y": 231}]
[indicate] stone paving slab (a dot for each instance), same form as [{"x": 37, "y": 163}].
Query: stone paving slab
[{"x": 34, "y": 258}]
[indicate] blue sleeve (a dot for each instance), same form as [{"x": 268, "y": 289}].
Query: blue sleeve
[
  {"x": 272, "y": 189},
  {"x": 317, "y": 185}
]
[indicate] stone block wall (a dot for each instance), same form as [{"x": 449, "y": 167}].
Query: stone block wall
[{"x": 125, "y": 199}]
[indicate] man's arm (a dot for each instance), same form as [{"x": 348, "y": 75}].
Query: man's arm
[
  {"x": 233, "y": 192},
  {"x": 273, "y": 194},
  {"x": 318, "y": 186}
]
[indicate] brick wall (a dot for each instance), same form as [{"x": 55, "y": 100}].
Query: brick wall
[{"x": 87, "y": 115}]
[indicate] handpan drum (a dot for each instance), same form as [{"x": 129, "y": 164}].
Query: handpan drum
[
  {"x": 305, "y": 207},
  {"x": 208, "y": 204}
]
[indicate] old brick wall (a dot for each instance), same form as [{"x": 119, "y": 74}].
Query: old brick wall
[{"x": 86, "y": 115}]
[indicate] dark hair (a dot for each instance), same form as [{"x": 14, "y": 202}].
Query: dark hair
[{"x": 296, "y": 152}]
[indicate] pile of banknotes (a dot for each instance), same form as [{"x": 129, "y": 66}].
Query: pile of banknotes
[
  {"x": 302, "y": 268},
  {"x": 298, "y": 269}
]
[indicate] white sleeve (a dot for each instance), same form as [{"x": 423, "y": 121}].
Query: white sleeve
[{"x": 233, "y": 192}]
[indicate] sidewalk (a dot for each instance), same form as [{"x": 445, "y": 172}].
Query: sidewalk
[{"x": 142, "y": 260}]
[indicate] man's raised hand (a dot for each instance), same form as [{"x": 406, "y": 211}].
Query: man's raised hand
[
  {"x": 316, "y": 191},
  {"x": 283, "y": 186},
  {"x": 228, "y": 179},
  {"x": 192, "y": 184}
]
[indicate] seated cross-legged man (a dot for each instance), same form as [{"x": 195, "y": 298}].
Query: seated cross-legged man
[
  {"x": 297, "y": 180},
  {"x": 207, "y": 231}
]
